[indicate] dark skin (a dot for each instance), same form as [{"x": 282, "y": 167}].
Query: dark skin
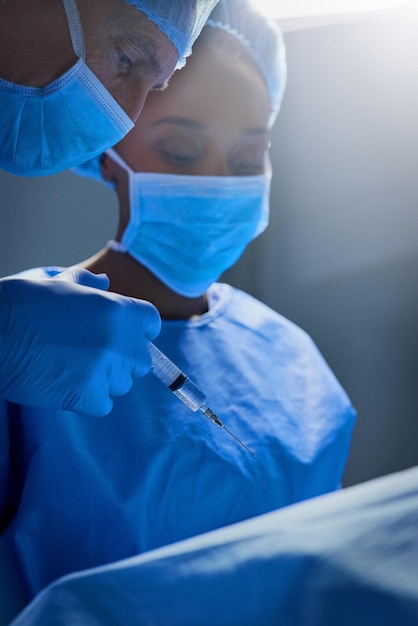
[
  {"x": 130, "y": 278},
  {"x": 187, "y": 129}
]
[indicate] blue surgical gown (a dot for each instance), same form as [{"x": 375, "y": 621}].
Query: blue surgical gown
[
  {"x": 344, "y": 559},
  {"x": 86, "y": 491}
]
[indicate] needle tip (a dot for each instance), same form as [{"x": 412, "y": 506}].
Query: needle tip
[
  {"x": 240, "y": 442},
  {"x": 215, "y": 419}
]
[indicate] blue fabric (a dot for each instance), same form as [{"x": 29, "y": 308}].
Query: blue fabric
[
  {"x": 187, "y": 230},
  {"x": 263, "y": 40},
  {"x": 74, "y": 118},
  {"x": 89, "y": 491},
  {"x": 262, "y": 37},
  {"x": 181, "y": 21},
  {"x": 345, "y": 559},
  {"x": 67, "y": 343}
]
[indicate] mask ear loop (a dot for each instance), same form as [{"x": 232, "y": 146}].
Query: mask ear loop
[
  {"x": 75, "y": 28},
  {"x": 118, "y": 159},
  {"x": 264, "y": 218},
  {"x": 112, "y": 154},
  {"x": 116, "y": 246},
  {"x": 119, "y": 246}
]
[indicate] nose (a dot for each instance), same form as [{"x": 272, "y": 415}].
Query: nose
[
  {"x": 224, "y": 169},
  {"x": 135, "y": 102},
  {"x": 131, "y": 97},
  {"x": 218, "y": 165}
]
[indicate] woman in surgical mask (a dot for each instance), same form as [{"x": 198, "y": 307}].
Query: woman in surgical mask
[{"x": 193, "y": 181}]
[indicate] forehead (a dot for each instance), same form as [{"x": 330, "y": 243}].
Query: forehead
[{"x": 217, "y": 82}]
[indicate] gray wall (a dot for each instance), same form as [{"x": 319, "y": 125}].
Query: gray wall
[{"x": 340, "y": 256}]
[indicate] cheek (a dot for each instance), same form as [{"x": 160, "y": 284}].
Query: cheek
[
  {"x": 129, "y": 92},
  {"x": 130, "y": 95}
]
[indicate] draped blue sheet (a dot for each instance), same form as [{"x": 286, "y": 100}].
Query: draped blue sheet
[{"x": 343, "y": 559}]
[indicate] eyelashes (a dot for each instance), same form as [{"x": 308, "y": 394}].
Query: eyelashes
[
  {"x": 125, "y": 64},
  {"x": 188, "y": 152},
  {"x": 179, "y": 159}
]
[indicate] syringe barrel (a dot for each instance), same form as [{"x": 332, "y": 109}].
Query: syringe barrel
[
  {"x": 172, "y": 376},
  {"x": 162, "y": 367},
  {"x": 190, "y": 394}
]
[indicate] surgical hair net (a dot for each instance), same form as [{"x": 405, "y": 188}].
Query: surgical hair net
[
  {"x": 263, "y": 39},
  {"x": 259, "y": 34},
  {"x": 180, "y": 20}
]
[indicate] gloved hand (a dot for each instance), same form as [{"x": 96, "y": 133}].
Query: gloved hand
[{"x": 67, "y": 344}]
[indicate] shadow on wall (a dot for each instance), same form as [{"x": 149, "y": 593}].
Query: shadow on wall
[
  {"x": 340, "y": 256},
  {"x": 366, "y": 325}
]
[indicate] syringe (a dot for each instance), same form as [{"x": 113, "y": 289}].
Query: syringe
[{"x": 184, "y": 388}]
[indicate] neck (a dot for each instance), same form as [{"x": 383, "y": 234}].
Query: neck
[{"x": 130, "y": 278}]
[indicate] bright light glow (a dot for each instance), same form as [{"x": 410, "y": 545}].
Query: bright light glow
[{"x": 294, "y": 9}]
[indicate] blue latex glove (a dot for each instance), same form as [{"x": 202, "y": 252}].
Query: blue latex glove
[{"x": 66, "y": 345}]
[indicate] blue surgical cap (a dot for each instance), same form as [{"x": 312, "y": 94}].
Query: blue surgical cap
[
  {"x": 180, "y": 20},
  {"x": 241, "y": 19},
  {"x": 263, "y": 39}
]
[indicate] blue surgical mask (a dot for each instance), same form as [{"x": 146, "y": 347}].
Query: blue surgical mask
[
  {"x": 50, "y": 129},
  {"x": 187, "y": 230}
]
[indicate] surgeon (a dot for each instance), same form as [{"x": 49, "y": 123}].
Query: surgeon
[
  {"x": 80, "y": 80},
  {"x": 193, "y": 183},
  {"x": 74, "y": 76}
]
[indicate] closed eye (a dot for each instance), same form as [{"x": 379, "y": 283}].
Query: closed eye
[
  {"x": 125, "y": 64},
  {"x": 179, "y": 149},
  {"x": 248, "y": 169},
  {"x": 249, "y": 158},
  {"x": 178, "y": 158},
  {"x": 138, "y": 52}
]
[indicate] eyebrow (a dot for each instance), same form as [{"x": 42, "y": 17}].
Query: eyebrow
[
  {"x": 145, "y": 49},
  {"x": 185, "y": 122},
  {"x": 148, "y": 50},
  {"x": 181, "y": 121}
]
